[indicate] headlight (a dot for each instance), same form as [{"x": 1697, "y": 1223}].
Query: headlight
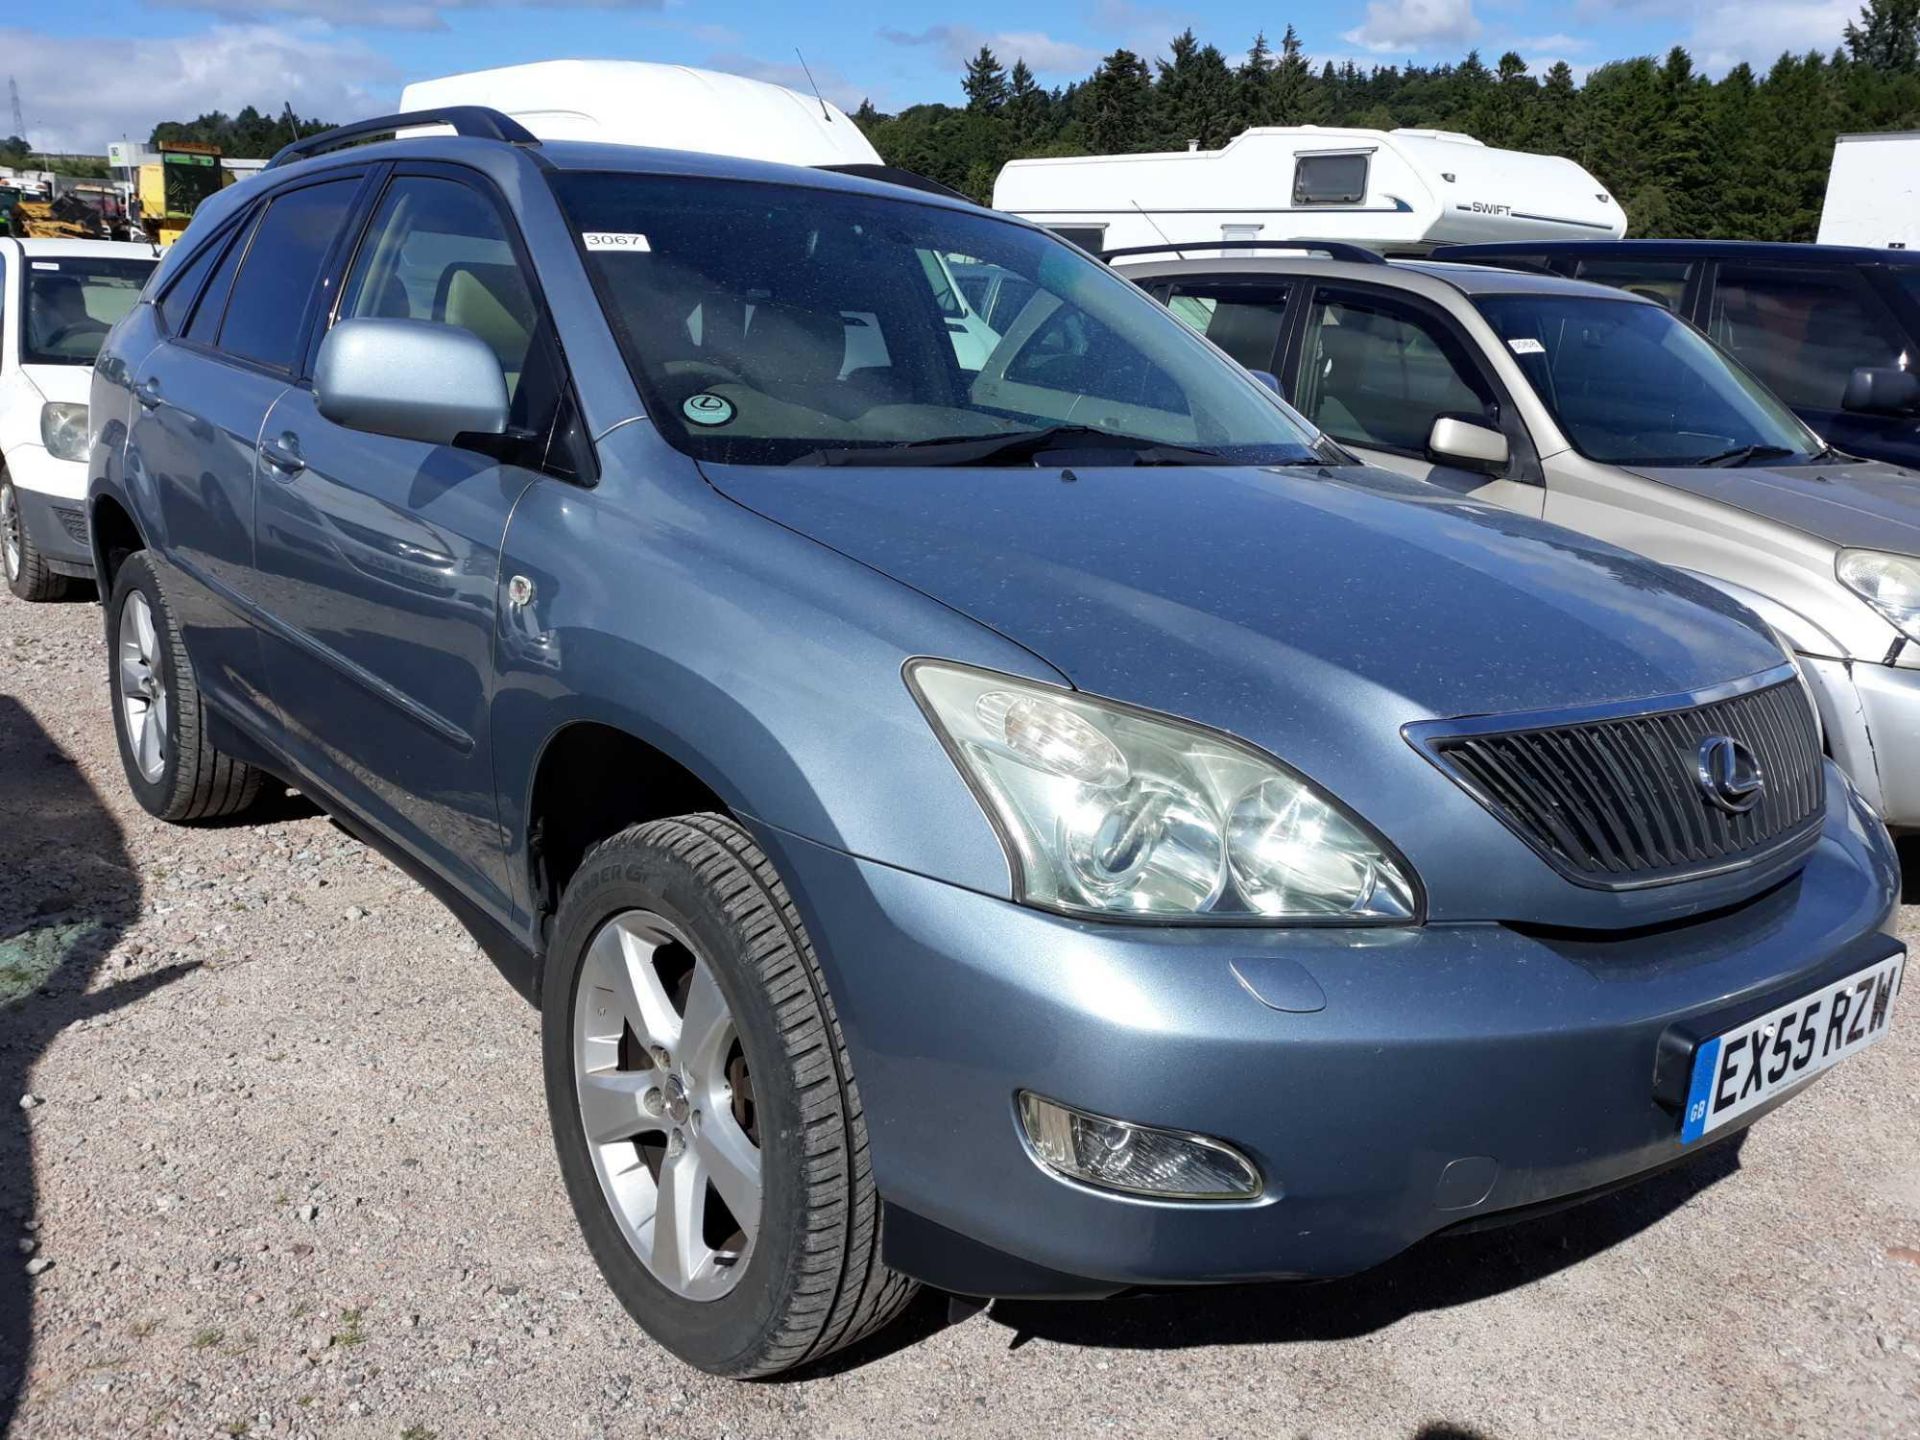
[
  {"x": 63, "y": 429},
  {"x": 1889, "y": 583},
  {"x": 1111, "y": 811}
]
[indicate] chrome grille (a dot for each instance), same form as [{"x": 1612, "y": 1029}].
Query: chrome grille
[{"x": 1618, "y": 803}]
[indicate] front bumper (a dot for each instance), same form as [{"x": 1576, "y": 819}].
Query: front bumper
[
  {"x": 1453, "y": 1071},
  {"x": 53, "y": 506}
]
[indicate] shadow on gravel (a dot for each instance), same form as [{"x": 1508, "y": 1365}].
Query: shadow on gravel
[
  {"x": 67, "y": 893},
  {"x": 1438, "y": 1274}
]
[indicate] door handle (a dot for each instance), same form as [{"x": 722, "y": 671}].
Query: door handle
[
  {"x": 147, "y": 392},
  {"x": 282, "y": 453}
]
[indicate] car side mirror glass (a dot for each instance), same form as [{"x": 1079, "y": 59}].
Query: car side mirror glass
[
  {"x": 412, "y": 379},
  {"x": 1454, "y": 441},
  {"x": 1882, "y": 390}
]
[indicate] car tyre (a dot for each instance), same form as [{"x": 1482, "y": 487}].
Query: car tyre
[
  {"x": 158, "y": 715},
  {"x": 28, "y": 574},
  {"x": 697, "y": 892}
]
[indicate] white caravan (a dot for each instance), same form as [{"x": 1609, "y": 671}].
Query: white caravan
[
  {"x": 672, "y": 107},
  {"x": 1401, "y": 191},
  {"x": 1873, "y": 194}
]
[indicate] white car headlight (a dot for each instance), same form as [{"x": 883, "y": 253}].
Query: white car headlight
[
  {"x": 1111, "y": 811},
  {"x": 63, "y": 429},
  {"x": 1889, "y": 583}
]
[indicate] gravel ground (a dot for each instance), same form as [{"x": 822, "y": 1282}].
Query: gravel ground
[{"x": 279, "y": 1166}]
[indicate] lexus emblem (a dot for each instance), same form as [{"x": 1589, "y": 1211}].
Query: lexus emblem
[{"x": 1729, "y": 774}]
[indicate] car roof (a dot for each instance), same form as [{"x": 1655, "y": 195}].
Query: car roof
[
  {"x": 124, "y": 249},
  {"x": 1692, "y": 250},
  {"x": 1433, "y": 275}
]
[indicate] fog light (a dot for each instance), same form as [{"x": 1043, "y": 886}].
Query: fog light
[{"x": 1134, "y": 1159}]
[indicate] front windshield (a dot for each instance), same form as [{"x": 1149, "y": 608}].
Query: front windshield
[
  {"x": 768, "y": 324},
  {"x": 1632, "y": 385},
  {"x": 72, "y": 301}
]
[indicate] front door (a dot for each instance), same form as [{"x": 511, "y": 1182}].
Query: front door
[
  {"x": 382, "y": 555},
  {"x": 1376, "y": 371}
]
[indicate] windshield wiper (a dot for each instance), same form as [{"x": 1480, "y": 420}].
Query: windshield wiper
[
  {"x": 1011, "y": 445},
  {"x": 1747, "y": 454}
]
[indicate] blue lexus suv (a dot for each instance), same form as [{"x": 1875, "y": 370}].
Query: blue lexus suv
[{"x": 1018, "y": 812}]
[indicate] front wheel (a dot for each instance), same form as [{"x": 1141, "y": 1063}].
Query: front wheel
[
  {"x": 703, "y": 1106},
  {"x": 28, "y": 574}
]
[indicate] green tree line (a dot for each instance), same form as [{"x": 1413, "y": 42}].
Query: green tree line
[{"x": 1744, "y": 157}]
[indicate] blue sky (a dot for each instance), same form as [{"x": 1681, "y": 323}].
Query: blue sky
[{"x": 94, "y": 70}]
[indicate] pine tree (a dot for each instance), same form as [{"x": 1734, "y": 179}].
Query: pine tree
[
  {"x": 985, "y": 83},
  {"x": 1194, "y": 94},
  {"x": 1295, "y": 98},
  {"x": 1253, "y": 86},
  {"x": 1117, "y": 105},
  {"x": 1026, "y": 107},
  {"x": 1887, "y": 37}
]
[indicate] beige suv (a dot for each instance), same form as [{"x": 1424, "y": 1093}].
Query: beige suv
[{"x": 1601, "y": 411}]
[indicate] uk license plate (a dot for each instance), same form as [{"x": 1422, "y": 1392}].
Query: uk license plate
[{"x": 1748, "y": 1066}]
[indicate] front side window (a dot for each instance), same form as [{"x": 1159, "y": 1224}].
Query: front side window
[
  {"x": 1243, "y": 320},
  {"x": 1631, "y": 385},
  {"x": 71, "y": 303},
  {"x": 1804, "y": 331},
  {"x": 267, "y": 311},
  {"x": 1377, "y": 373},
  {"x": 1662, "y": 281},
  {"x": 1330, "y": 179},
  {"x": 438, "y": 250},
  {"x": 835, "y": 320}
]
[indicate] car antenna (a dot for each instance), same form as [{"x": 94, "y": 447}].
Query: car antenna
[
  {"x": 824, "y": 115},
  {"x": 1156, "y": 227}
]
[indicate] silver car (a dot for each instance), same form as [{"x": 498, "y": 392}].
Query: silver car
[{"x": 1601, "y": 411}]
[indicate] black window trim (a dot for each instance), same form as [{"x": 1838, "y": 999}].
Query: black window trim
[
  {"x": 1523, "y": 464},
  {"x": 546, "y": 329}
]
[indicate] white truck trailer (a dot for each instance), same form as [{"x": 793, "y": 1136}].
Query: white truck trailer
[
  {"x": 1873, "y": 192},
  {"x": 1400, "y": 191}
]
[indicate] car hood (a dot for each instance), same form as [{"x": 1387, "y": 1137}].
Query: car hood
[
  {"x": 1871, "y": 504},
  {"x": 60, "y": 382},
  {"x": 1239, "y": 596}
]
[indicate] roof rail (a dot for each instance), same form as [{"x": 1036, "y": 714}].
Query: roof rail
[
  {"x": 894, "y": 175},
  {"x": 474, "y": 120},
  {"x": 1332, "y": 249}
]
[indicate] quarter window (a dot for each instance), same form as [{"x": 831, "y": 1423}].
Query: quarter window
[
  {"x": 1662, "y": 281},
  {"x": 1330, "y": 179},
  {"x": 1243, "y": 320},
  {"x": 1804, "y": 332},
  {"x": 178, "y": 299},
  {"x": 205, "y": 324},
  {"x": 1379, "y": 374},
  {"x": 281, "y": 272}
]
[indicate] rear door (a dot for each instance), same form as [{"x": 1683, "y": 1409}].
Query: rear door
[
  {"x": 1375, "y": 369},
  {"x": 236, "y": 317},
  {"x": 382, "y": 555},
  {"x": 1804, "y": 330}
]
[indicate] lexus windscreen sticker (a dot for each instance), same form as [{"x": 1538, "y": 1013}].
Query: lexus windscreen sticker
[
  {"x": 1526, "y": 347},
  {"x": 708, "y": 409}
]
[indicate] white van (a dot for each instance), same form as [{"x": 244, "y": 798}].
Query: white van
[
  {"x": 1873, "y": 192},
  {"x": 1402, "y": 191}
]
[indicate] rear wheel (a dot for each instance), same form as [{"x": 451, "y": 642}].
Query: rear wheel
[
  {"x": 703, "y": 1107},
  {"x": 27, "y": 572},
  {"x": 175, "y": 772}
]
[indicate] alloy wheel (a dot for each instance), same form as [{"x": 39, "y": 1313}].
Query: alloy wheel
[
  {"x": 666, "y": 1101},
  {"x": 143, "y": 694},
  {"x": 10, "y": 538}
]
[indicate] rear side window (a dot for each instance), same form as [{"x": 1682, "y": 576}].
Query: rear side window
[
  {"x": 205, "y": 324},
  {"x": 178, "y": 299},
  {"x": 1330, "y": 179},
  {"x": 1804, "y": 331},
  {"x": 1379, "y": 373},
  {"x": 268, "y": 307},
  {"x": 1243, "y": 320},
  {"x": 1663, "y": 281}
]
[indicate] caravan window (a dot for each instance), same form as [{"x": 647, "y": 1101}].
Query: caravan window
[{"x": 1330, "y": 179}]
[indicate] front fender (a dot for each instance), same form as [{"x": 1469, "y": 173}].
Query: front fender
[{"x": 763, "y": 662}]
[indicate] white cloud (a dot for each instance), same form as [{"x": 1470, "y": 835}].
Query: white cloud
[
  {"x": 1528, "y": 45},
  {"x": 226, "y": 67},
  {"x": 1725, "y": 32},
  {"x": 957, "y": 44},
  {"x": 1414, "y": 25},
  {"x": 385, "y": 14}
]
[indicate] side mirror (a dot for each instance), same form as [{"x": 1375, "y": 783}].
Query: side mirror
[
  {"x": 1470, "y": 446},
  {"x": 412, "y": 379},
  {"x": 1268, "y": 379},
  {"x": 1882, "y": 391}
]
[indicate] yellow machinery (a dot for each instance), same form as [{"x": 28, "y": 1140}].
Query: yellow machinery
[{"x": 172, "y": 187}]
